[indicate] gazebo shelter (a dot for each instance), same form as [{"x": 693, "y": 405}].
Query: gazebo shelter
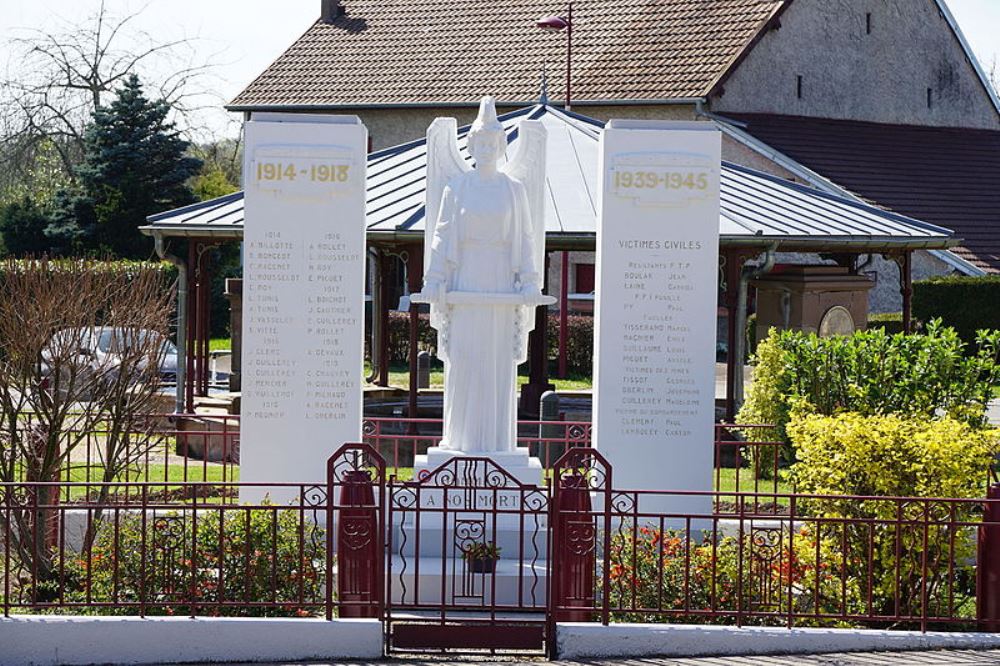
[{"x": 760, "y": 216}]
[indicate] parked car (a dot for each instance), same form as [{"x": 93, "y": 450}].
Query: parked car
[{"x": 98, "y": 352}]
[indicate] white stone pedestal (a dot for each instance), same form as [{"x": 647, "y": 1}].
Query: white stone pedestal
[
  {"x": 517, "y": 463},
  {"x": 472, "y": 502}
]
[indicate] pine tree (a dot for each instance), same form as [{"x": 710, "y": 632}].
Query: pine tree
[
  {"x": 134, "y": 166},
  {"x": 22, "y": 225}
]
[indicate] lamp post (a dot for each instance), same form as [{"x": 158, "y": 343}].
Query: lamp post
[{"x": 557, "y": 23}]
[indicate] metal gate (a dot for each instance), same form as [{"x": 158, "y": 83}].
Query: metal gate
[{"x": 467, "y": 561}]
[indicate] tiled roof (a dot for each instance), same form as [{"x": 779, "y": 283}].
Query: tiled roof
[
  {"x": 945, "y": 176},
  {"x": 454, "y": 51},
  {"x": 754, "y": 207}
]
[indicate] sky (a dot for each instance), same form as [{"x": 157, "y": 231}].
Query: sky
[{"x": 241, "y": 37}]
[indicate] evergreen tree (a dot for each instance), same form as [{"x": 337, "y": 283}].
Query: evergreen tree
[
  {"x": 22, "y": 225},
  {"x": 134, "y": 166}
]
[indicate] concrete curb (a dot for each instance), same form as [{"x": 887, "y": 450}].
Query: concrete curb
[
  {"x": 587, "y": 640},
  {"x": 48, "y": 639}
]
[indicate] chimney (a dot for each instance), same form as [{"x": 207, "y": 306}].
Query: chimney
[{"x": 329, "y": 10}]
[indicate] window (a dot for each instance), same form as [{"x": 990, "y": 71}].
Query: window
[
  {"x": 584, "y": 274},
  {"x": 930, "y": 97},
  {"x": 868, "y": 23},
  {"x": 798, "y": 86}
]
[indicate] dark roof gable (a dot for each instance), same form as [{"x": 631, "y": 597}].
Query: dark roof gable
[{"x": 946, "y": 176}]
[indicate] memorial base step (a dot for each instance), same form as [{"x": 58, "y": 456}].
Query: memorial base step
[
  {"x": 422, "y": 581},
  {"x": 518, "y": 464}
]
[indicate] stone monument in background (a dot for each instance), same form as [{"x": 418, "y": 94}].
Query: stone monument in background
[
  {"x": 304, "y": 272},
  {"x": 484, "y": 249},
  {"x": 655, "y": 320}
]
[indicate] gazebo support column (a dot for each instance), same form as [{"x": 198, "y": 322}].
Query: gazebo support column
[
  {"x": 382, "y": 320},
  {"x": 563, "y": 313},
  {"x": 731, "y": 261},
  {"x": 198, "y": 321},
  {"x": 415, "y": 280},
  {"x": 538, "y": 357},
  {"x": 905, "y": 263}
]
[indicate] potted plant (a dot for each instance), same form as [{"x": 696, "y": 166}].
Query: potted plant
[{"x": 482, "y": 556}]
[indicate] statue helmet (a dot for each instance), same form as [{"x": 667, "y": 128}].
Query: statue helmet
[{"x": 486, "y": 122}]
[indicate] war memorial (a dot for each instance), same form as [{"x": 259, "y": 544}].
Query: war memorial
[{"x": 854, "y": 507}]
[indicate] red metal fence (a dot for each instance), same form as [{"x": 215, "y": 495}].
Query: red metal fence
[
  {"x": 185, "y": 448},
  {"x": 785, "y": 559},
  {"x": 605, "y": 554}
]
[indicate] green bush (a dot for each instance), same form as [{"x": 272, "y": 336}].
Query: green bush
[
  {"x": 872, "y": 372},
  {"x": 173, "y": 565},
  {"x": 399, "y": 336},
  {"x": 652, "y": 570},
  {"x": 967, "y": 304},
  {"x": 579, "y": 343},
  {"x": 891, "y": 541},
  {"x": 579, "y": 348}
]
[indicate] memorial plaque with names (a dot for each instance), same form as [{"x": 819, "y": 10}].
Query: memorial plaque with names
[
  {"x": 304, "y": 272},
  {"x": 657, "y": 288}
]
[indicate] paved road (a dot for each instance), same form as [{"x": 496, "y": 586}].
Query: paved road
[{"x": 943, "y": 657}]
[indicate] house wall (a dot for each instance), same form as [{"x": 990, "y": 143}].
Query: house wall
[
  {"x": 389, "y": 127},
  {"x": 738, "y": 153},
  {"x": 848, "y": 73}
]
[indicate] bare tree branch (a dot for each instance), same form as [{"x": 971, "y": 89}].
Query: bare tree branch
[{"x": 61, "y": 75}]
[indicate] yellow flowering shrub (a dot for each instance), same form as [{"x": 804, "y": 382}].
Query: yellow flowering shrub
[
  {"x": 916, "y": 557},
  {"x": 895, "y": 455}
]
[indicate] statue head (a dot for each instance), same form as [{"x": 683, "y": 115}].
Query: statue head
[{"x": 487, "y": 139}]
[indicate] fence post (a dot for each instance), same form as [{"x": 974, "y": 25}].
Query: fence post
[
  {"x": 358, "y": 558},
  {"x": 576, "y": 541},
  {"x": 988, "y": 564}
]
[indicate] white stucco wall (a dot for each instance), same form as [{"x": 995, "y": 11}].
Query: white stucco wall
[
  {"x": 392, "y": 126},
  {"x": 850, "y": 74},
  {"x": 47, "y": 639},
  {"x": 619, "y": 641}
]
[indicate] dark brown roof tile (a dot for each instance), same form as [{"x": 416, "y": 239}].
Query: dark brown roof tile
[{"x": 448, "y": 51}]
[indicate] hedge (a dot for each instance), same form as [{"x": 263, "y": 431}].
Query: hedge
[
  {"x": 580, "y": 342},
  {"x": 168, "y": 270},
  {"x": 967, "y": 304},
  {"x": 871, "y": 373}
]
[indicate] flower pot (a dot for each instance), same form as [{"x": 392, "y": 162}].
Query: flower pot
[{"x": 483, "y": 564}]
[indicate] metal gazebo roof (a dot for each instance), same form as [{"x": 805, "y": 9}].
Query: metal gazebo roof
[{"x": 756, "y": 208}]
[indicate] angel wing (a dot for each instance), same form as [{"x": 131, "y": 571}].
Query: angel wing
[
  {"x": 444, "y": 162},
  {"x": 528, "y": 166}
]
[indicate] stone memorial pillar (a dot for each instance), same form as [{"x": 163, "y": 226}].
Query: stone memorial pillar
[
  {"x": 304, "y": 268},
  {"x": 657, "y": 287}
]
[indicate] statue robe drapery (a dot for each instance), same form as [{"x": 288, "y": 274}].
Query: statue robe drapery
[{"x": 481, "y": 247}]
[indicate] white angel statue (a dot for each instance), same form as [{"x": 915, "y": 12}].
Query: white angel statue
[{"x": 483, "y": 250}]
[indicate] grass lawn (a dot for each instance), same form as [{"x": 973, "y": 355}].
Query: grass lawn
[
  {"x": 154, "y": 473},
  {"x": 727, "y": 482},
  {"x": 214, "y": 473},
  {"x": 217, "y": 344}
]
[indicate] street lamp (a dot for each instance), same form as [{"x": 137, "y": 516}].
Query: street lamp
[{"x": 557, "y": 23}]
